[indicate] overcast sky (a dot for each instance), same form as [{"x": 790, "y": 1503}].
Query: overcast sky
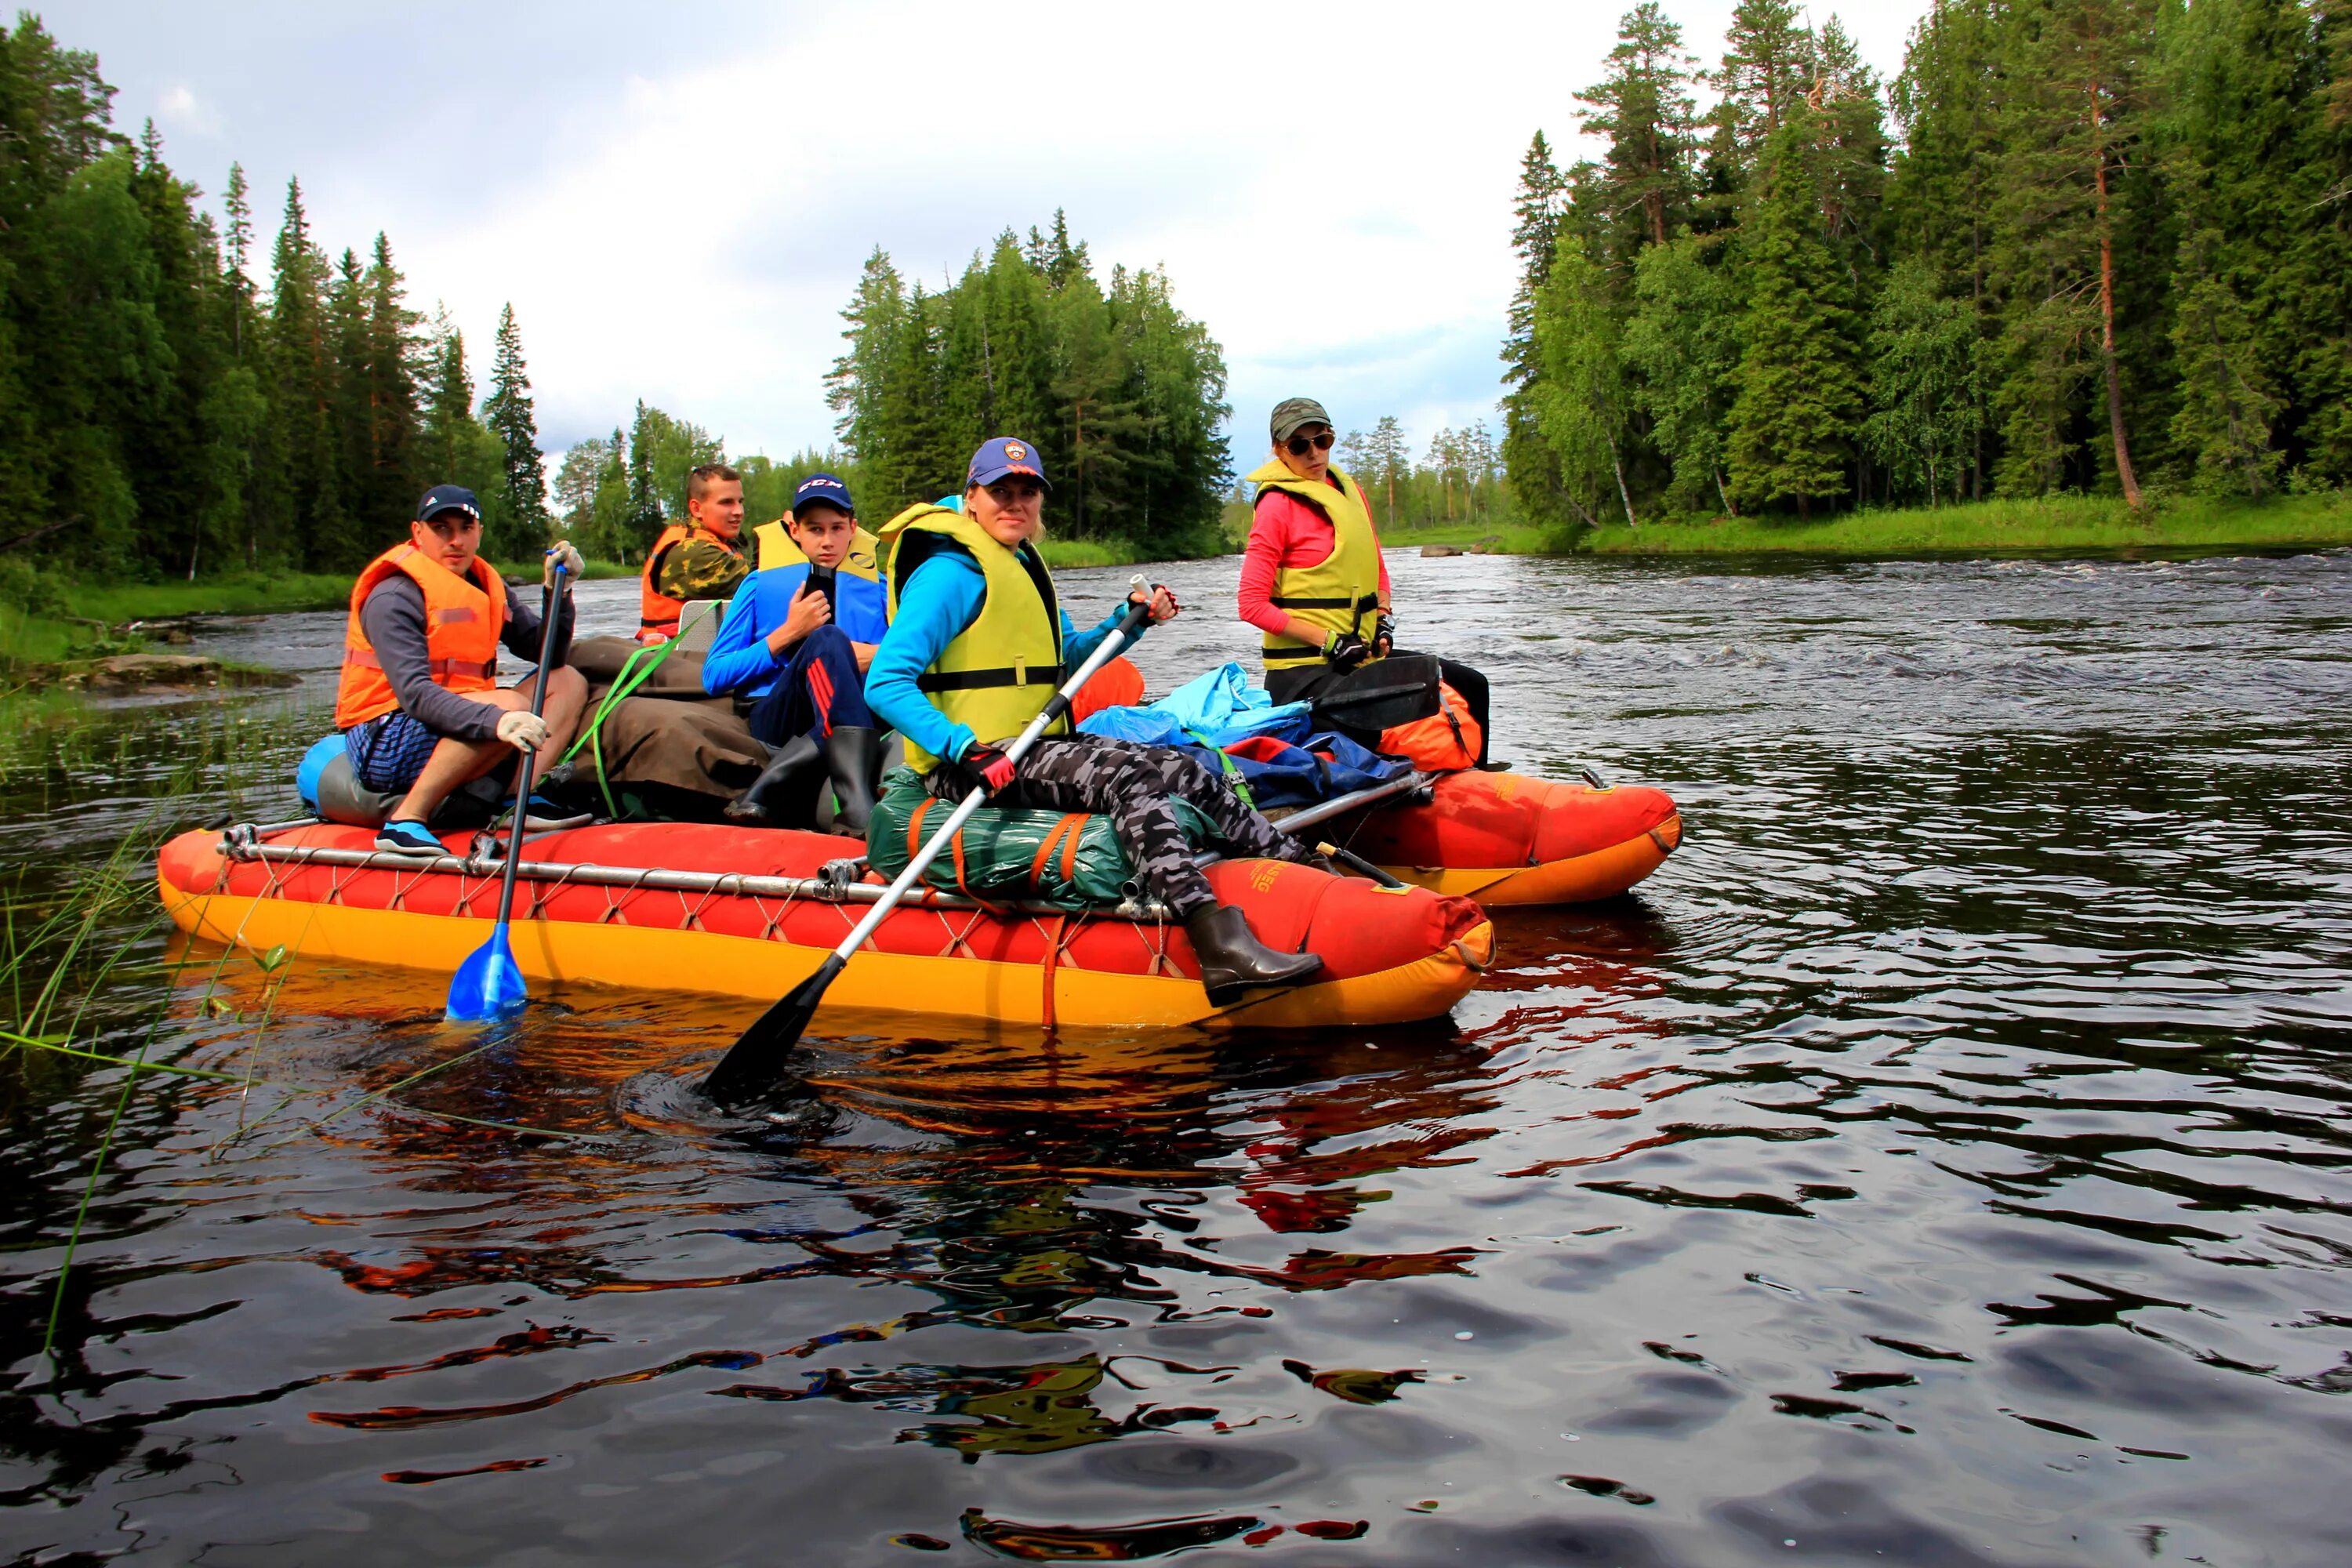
[{"x": 677, "y": 197}]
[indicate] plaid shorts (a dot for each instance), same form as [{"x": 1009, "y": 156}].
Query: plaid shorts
[{"x": 388, "y": 751}]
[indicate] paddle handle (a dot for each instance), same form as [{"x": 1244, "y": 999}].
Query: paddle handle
[
  {"x": 523, "y": 759},
  {"x": 1055, "y": 707}
]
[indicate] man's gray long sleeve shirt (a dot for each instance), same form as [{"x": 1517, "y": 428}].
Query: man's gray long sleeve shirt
[{"x": 394, "y": 620}]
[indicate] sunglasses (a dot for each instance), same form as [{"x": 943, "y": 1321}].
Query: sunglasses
[{"x": 1298, "y": 444}]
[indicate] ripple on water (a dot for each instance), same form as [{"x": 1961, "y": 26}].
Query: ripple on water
[{"x": 1941, "y": 1160}]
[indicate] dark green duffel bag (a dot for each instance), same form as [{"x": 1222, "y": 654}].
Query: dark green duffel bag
[{"x": 1074, "y": 861}]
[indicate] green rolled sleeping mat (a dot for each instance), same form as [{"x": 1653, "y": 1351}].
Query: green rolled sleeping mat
[{"x": 1073, "y": 861}]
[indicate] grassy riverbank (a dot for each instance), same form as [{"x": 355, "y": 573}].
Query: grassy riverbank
[{"x": 2093, "y": 524}]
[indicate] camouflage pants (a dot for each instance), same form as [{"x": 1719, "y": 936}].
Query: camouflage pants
[{"x": 1133, "y": 785}]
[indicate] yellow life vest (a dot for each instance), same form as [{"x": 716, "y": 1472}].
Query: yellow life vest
[
  {"x": 999, "y": 671},
  {"x": 1343, "y": 593},
  {"x": 778, "y": 549}
]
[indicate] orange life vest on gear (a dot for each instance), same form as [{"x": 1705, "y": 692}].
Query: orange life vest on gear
[
  {"x": 657, "y": 613},
  {"x": 464, "y": 617},
  {"x": 1446, "y": 741}
]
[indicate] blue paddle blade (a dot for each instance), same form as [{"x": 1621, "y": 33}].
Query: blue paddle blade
[{"x": 488, "y": 985}]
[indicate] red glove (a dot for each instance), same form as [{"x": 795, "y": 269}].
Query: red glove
[{"x": 987, "y": 767}]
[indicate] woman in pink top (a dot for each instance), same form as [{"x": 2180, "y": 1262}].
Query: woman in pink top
[{"x": 1313, "y": 579}]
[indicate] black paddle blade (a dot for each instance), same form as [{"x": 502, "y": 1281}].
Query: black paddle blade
[{"x": 755, "y": 1062}]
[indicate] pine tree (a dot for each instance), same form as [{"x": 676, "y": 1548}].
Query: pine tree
[
  {"x": 1800, "y": 396},
  {"x": 508, "y": 412},
  {"x": 1767, "y": 67},
  {"x": 1644, "y": 107}
]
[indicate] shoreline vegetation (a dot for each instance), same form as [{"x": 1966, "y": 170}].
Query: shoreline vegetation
[
  {"x": 98, "y": 620},
  {"x": 2043, "y": 525}
]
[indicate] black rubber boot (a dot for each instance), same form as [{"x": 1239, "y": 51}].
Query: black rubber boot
[
  {"x": 855, "y": 756},
  {"x": 1232, "y": 960},
  {"x": 785, "y": 795}
]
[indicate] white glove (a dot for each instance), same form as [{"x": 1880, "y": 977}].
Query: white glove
[
  {"x": 523, "y": 732},
  {"x": 566, "y": 556}
]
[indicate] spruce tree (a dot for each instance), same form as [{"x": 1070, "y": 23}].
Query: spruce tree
[
  {"x": 1790, "y": 432},
  {"x": 449, "y": 409},
  {"x": 387, "y": 489},
  {"x": 1536, "y": 209},
  {"x": 316, "y": 530},
  {"x": 507, "y": 412},
  {"x": 644, "y": 518}
]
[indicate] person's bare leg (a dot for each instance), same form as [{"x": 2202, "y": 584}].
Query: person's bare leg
[
  {"x": 567, "y": 698},
  {"x": 453, "y": 762}
]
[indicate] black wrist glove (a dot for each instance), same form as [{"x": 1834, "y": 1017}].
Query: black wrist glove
[
  {"x": 984, "y": 767},
  {"x": 1384, "y": 635},
  {"x": 1346, "y": 650}
]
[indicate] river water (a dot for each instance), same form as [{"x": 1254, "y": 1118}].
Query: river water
[{"x": 1942, "y": 1160}]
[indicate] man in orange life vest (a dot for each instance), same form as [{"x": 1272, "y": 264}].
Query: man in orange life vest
[
  {"x": 419, "y": 703},
  {"x": 701, "y": 559}
]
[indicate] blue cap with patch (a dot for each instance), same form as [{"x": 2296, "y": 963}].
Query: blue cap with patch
[
  {"x": 448, "y": 497},
  {"x": 1002, "y": 457},
  {"x": 826, "y": 490}
]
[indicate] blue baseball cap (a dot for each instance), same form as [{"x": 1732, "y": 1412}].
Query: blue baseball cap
[
  {"x": 1002, "y": 457},
  {"x": 448, "y": 497},
  {"x": 825, "y": 489}
]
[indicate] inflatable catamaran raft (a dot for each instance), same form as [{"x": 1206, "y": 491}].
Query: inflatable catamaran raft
[{"x": 751, "y": 911}]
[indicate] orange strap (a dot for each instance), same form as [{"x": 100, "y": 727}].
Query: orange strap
[
  {"x": 1070, "y": 852},
  {"x": 1071, "y": 825},
  {"x": 1053, "y": 962},
  {"x": 914, "y": 826}
]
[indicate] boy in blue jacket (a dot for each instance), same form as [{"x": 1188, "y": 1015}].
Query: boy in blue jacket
[{"x": 793, "y": 652}]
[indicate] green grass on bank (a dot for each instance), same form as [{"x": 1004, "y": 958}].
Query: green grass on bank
[{"x": 2097, "y": 524}]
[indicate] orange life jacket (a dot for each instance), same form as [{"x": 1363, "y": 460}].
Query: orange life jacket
[
  {"x": 657, "y": 613},
  {"x": 463, "y": 619}
]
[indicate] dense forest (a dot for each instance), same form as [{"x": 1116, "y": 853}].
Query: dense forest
[
  {"x": 180, "y": 397},
  {"x": 161, "y": 414},
  {"x": 2100, "y": 246},
  {"x": 1122, "y": 393}
]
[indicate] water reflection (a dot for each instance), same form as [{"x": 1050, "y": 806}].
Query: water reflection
[{"x": 1942, "y": 1160}]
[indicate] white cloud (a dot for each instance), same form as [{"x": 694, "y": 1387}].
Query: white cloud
[
  {"x": 180, "y": 110},
  {"x": 1330, "y": 191}
]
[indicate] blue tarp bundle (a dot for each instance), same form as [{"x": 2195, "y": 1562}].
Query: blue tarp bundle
[{"x": 1273, "y": 751}]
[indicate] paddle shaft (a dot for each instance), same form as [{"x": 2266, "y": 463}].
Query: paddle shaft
[
  {"x": 1108, "y": 649},
  {"x": 523, "y": 759}
]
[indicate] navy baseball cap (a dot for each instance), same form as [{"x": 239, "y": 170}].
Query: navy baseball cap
[
  {"x": 825, "y": 489},
  {"x": 1002, "y": 457},
  {"x": 448, "y": 497}
]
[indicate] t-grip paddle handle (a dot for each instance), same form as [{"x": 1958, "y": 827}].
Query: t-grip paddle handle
[{"x": 754, "y": 1062}]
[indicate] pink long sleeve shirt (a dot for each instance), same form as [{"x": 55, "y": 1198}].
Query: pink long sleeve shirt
[{"x": 1286, "y": 531}]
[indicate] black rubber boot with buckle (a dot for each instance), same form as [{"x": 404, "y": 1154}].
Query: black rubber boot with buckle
[
  {"x": 785, "y": 794},
  {"x": 1232, "y": 960},
  {"x": 854, "y": 755}
]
